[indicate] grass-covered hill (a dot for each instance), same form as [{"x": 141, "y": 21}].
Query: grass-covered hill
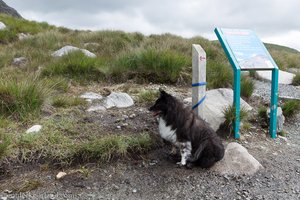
[{"x": 45, "y": 89}]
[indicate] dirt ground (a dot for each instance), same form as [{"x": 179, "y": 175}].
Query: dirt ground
[{"x": 156, "y": 176}]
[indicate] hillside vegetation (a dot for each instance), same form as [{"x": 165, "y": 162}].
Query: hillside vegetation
[{"x": 29, "y": 93}]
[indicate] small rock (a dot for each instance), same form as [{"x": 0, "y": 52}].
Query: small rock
[
  {"x": 132, "y": 116},
  {"x": 60, "y": 175},
  {"x": 34, "y": 129},
  {"x": 68, "y": 49},
  {"x": 118, "y": 127},
  {"x": 2, "y": 26},
  {"x": 134, "y": 190},
  {"x": 3, "y": 198},
  {"x": 19, "y": 62},
  {"x": 23, "y": 36}
]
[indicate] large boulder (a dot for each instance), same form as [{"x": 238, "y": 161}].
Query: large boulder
[
  {"x": 4, "y": 8},
  {"x": 283, "y": 77},
  {"x": 236, "y": 162},
  {"x": 68, "y": 49},
  {"x": 215, "y": 103}
]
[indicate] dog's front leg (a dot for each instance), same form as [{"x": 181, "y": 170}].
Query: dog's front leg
[{"x": 185, "y": 151}]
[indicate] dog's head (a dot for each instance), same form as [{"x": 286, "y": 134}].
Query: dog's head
[{"x": 160, "y": 106}]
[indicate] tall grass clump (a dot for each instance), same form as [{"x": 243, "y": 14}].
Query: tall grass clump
[
  {"x": 5, "y": 141},
  {"x": 148, "y": 96},
  {"x": 219, "y": 75},
  {"x": 296, "y": 79},
  {"x": 229, "y": 114},
  {"x": 75, "y": 65},
  {"x": 64, "y": 101},
  {"x": 291, "y": 108},
  {"x": 247, "y": 87},
  {"x": 151, "y": 65},
  {"x": 22, "y": 98}
]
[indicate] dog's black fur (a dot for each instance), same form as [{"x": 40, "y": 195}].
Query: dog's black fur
[{"x": 207, "y": 147}]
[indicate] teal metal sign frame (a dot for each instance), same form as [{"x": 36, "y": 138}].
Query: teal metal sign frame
[{"x": 246, "y": 52}]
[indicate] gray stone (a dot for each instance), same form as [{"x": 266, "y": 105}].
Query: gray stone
[
  {"x": 96, "y": 108},
  {"x": 67, "y": 49},
  {"x": 119, "y": 100},
  {"x": 236, "y": 162},
  {"x": 280, "y": 118},
  {"x": 216, "y": 101},
  {"x": 34, "y": 129},
  {"x": 19, "y": 62},
  {"x": 2, "y": 26},
  {"x": 23, "y": 36},
  {"x": 283, "y": 77}
]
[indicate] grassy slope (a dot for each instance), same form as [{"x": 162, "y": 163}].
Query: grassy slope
[{"x": 28, "y": 90}]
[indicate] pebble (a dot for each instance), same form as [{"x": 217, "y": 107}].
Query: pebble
[
  {"x": 60, "y": 175},
  {"x": 134, "y": 190},
  {"x": 132, "y": 116},
  {"x": 118, "y": 127}
]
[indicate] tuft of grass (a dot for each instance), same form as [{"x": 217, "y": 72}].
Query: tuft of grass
[
  {"x": 219, "y": 75},
  {"x": 29, "y": 185},
  {"x": 7, "y": 36},
  {"x": 291, "y": 108},
  {"x": 229, "y": 114},
  {"x": 20, "y": 99},
  {"x": 148, "y": 96},
  {"x": 150, "y": 65},
  {"x": 262, "y": 112},
  {"x": 75, "y": 65},
  {"x": 64, "y": 101},
  {"x": 296, "y": 79},
  {"x": 5, "y": 141},
  {"x": 114, "y": 146},
  {"x": 247, "y": 87}
]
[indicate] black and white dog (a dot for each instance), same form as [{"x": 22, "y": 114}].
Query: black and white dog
[{"x": 196, "y": 140}]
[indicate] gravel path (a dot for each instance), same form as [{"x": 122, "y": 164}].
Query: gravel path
[{"x": 263, "y": 89}]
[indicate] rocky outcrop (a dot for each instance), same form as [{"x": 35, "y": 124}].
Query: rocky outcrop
[{"x": 4, "y": 8}]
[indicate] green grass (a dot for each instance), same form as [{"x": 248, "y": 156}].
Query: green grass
[
  {"x": 219, "y": 75},
  {"x": 114, "y": 146},
  {"x": 75, "y": 65},
  {"x": 229, "y": 114},
  {"x": 262, "y": 112},
  {"x": 151, "y": 65},
  {"x": 296, "y": 79},
  {"x": 5, "y": 141},
  {"x": 21, "y": 98},
  {"x": 65, "y": 101},
  {"x": 247, "y": 87},
  {"x": 148, "y": 96},
  {"x": 291, "y": 108}
]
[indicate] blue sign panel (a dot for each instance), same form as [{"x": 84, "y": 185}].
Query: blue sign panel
[{"x": 248, "y": 50}]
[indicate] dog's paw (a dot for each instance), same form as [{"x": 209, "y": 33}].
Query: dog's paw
[{"x": 179, "y": 164}]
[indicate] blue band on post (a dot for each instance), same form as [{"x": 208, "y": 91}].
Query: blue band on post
[
  {"x": 198, "y": 84},
  {"x": 201, "y": 101}
]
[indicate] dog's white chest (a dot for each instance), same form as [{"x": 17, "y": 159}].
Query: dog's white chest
[{"x": 166, "y": 132}]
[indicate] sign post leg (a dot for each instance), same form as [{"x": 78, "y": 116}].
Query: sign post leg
[
  {"x": 273, "y": 105},
  {"x": 236, "y": 102}
]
